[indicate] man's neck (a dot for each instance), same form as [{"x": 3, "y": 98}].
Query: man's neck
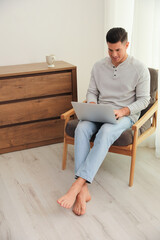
[{"x": 116, "y": 64}]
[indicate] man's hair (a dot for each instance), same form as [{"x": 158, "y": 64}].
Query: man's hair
[{"x": 115, "y": 35}]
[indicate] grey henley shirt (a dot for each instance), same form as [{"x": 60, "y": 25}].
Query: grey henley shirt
[{"x": 127, "y": 85}]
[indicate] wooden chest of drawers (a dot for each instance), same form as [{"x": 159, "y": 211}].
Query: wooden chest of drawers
[{"x": 32, "y": 98}]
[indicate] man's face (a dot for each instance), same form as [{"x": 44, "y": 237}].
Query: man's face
[{"x": 117, "y": 52}]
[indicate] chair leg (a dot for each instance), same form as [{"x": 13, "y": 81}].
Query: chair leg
[
  {"x": 64, "y": 155},
  {"x": 133, "y": 160}
]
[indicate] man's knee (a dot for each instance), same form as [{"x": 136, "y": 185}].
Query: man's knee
[
  {"x": 105, "y": 134},
  {"x": 83, "y": 128},
  {"x": 106, "y": 130}
]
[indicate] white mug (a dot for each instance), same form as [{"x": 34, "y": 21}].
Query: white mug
[{"x": 50, "y": 60}]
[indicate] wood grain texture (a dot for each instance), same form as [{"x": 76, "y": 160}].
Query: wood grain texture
[
  {"x": 31, "y": 182},
  {"x": 42, "y": 108},
  {"x": 32, "y": 99},
  {"x": 33, "y": 68},
  {"x": 30, "y": 133},
  {"x": 35, "y": 86}
]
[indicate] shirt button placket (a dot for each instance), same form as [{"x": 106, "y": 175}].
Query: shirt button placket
[{"x": 114, "y": 72}]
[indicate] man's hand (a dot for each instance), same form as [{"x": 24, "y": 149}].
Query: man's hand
[{"x": 122, "y": 112}]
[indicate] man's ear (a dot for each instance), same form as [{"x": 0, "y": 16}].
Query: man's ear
[{"x": 127, "y": 44}]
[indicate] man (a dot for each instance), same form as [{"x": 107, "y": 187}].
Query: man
[{"x": 122, "y": 82}]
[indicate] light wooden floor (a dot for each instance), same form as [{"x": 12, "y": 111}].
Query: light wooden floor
[{"x": 32, "y": 180}]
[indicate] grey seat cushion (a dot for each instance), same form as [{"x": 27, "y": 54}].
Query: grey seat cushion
[{"x": 126, "y": 137}]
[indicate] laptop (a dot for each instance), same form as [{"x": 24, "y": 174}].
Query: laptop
[{"x": 94, "y": 112}]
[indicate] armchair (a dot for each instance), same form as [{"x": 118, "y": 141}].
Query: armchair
[{"x": 127, "y": 143}]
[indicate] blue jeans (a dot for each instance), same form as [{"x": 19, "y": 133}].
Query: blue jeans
[{"x": 87, "y": 162}]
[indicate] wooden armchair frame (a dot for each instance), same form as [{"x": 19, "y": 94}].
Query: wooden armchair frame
[{"x": 129, "y": 150}]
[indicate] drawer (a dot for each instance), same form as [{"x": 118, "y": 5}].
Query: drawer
[
  {"x": 31, "y": 133},
  {"x": 35, "y": 85},
  {"x": 31, "y": 110}
]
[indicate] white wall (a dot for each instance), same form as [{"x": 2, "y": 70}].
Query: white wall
[
  {"x": 146, "y": 32},
  {"x": 73, "y": 30}
]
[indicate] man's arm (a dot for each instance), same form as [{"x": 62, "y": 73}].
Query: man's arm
[
  {"x": 92, "y": 93},
  {"x": 142, "y": 93},
  {"x": 142, "y": 97}
]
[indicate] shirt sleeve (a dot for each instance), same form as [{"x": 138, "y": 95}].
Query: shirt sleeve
[
  {"x": 92, "y": 92},
  {"x": 142, "y": 93}
]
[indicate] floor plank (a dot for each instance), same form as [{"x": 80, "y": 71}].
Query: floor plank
[{"x": 31, "y": 181}]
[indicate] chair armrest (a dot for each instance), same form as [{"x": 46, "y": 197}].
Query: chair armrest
[
  {"x": 67, "y": 114},
  {"x": 146, "y": 116}
]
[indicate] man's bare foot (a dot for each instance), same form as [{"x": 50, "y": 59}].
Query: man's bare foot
[
  {"x": 69, "y": 198},
  {"x": 80, "y": 204}
]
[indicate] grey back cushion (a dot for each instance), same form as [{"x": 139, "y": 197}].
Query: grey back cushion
[{"x": 126, "y": 137}]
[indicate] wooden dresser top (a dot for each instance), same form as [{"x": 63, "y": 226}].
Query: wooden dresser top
[{"x": 14, "y": 70}]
